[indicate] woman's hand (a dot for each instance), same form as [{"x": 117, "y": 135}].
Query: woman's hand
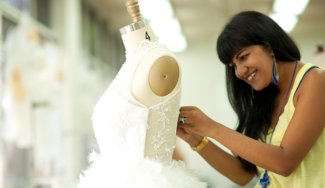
[
  {"x": 192, "y": 122},
  {"x": 191, "y": 138}
]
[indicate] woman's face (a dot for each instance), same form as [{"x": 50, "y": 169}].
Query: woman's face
[{"x": 253, "y": 64}]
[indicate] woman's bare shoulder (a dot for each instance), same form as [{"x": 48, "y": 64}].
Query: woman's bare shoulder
[{"x": 312, "y": 85}]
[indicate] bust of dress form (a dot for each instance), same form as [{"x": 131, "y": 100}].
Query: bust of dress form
[
  {"x": 156, "y": 78},
  {"x": 158, "y": 72}
]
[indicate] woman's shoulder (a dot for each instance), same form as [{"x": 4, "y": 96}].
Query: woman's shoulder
[
  {"x": 314, "y": 74},
  {"x": 312, "y": 81}
]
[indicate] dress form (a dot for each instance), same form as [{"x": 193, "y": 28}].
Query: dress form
[
  {"x": 156, "y": 78},
  {"x": 135, "y": 119},
  {"x": 158, "y": 72}
]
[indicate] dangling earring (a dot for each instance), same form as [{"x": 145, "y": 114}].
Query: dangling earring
[{"x": 275, "y": 72}]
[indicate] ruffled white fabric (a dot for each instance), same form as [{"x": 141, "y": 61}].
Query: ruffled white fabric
[
  {"x": 121, "y": 128},
  {"x": 122, "y": 172}
]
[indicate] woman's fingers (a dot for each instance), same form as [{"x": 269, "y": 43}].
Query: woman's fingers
[
  {"x": 184, "y": 117},
  {"x": 187, "y": 108},
  {"x": 184, "y": 114},
  {"x": 182, "y": 133}
]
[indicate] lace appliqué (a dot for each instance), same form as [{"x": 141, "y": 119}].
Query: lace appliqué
[{"x": 161, "y": 131}]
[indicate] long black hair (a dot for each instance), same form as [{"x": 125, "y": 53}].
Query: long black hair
[{"x": 253, "y": 108}]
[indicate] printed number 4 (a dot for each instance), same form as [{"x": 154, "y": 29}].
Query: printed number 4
[{"x": 147, "y": 36}]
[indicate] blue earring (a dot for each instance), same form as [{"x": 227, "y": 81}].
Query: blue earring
[{"x": 275, "y": 74}]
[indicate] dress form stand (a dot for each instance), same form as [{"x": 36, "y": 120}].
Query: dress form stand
[
  {"x": 156, "y": 78},
  {"x": 137, "y": 31}
]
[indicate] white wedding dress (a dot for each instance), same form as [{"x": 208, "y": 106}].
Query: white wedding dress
[{"x": 136, "y": 142}]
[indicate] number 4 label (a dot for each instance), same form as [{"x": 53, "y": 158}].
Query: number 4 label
[{"x": 147, "y": 36}]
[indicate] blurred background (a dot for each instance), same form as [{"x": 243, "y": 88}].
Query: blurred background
[{"x": 59, "y": 56}]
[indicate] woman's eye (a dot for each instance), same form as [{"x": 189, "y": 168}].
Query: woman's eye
[{"x": 243, "y": 57}]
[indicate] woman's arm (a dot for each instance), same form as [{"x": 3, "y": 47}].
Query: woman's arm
[{"x": 223, "y": 162}]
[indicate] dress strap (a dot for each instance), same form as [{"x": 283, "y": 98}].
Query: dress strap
[{"x": 300, "y": 76}]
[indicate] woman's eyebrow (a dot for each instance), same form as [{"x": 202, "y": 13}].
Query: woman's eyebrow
[
  {"x": 241, "y": 51},
  {"x": 238, "y": 53}
]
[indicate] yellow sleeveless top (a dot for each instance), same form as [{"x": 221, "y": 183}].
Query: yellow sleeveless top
[{"x": 311, "y": 171}]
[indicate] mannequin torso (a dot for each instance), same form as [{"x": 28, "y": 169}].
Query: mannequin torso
[{"x": 155, "y": 84}]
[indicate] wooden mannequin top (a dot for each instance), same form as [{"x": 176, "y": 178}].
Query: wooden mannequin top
[{"x": 157, "y": 74}]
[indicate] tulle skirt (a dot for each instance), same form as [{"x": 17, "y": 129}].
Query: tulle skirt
[{"x": 125, "y": 172}]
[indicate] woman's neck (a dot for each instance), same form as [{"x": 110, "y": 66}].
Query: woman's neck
[{"x": 287, "y": 74}]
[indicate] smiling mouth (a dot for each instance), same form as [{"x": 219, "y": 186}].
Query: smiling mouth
[{"x": 251, "y": 76}]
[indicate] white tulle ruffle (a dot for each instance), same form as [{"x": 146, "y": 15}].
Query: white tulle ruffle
[{"x": 122, "y": 172}]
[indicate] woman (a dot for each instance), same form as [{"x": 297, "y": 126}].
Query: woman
[{"x": 280, "y": 106}]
